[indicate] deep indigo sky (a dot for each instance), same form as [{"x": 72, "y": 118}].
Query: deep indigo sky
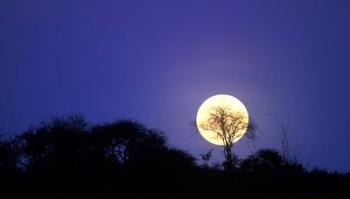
[{"x": 156, "y": 61}]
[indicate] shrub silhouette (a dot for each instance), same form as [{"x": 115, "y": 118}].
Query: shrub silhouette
[{"x": 263, "y": 161}]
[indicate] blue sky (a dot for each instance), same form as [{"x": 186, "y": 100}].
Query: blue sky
[{"x": 157, "y": 61}]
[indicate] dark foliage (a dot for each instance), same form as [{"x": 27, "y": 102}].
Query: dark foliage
[
  {"x": 67, "y": 157},
  {"x": 9, "y": 156}
]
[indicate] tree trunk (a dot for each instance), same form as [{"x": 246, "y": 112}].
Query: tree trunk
[{"x": 228, "y": 165}]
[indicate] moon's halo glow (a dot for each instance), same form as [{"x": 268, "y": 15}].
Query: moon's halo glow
[{"x": 222, "y": 100}]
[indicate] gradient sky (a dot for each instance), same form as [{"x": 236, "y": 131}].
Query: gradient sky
[{"x": 157, "y": 61}]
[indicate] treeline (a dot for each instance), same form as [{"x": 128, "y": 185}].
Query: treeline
[{"x": 68, "y": 156}]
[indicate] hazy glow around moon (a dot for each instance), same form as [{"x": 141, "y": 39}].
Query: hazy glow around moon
[{"x": 230, "y": 103}]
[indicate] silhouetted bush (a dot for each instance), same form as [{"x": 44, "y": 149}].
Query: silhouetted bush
[{"x": 263, "y": 161}]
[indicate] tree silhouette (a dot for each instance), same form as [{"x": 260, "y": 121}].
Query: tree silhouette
[
  {"x": 121, "y": 141},
  {"x": 67, "y": 146},
  {"x": 128, "y": 144},
  {"x": 59, "y": 145},
  {"x": 228, "y": 126}
]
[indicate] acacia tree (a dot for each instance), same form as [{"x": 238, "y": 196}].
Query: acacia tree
[{"x": 228, "y": 126}]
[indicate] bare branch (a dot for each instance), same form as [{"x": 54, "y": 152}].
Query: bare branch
[{"x": 227, "y": 125}]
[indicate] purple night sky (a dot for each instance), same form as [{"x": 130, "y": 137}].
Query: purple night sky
[{"x": 157, "y": 61}]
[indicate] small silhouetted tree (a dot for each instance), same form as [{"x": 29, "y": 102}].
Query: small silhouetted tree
[
  {"x": 227, "y": 125},
  {"x": 206, "y": 157},
  {"x": 288, "y": 154}
]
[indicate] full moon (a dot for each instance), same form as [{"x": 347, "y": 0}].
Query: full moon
[{"x": 230, "y": 104}]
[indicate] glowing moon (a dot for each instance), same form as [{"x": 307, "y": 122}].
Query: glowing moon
[{"x": 231, "y": 104}]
